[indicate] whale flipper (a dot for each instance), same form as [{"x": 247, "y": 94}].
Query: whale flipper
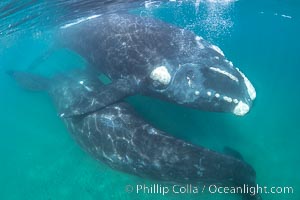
[
  {"x": 29, "y": 81},
  {"x": 103, "y": 96},
  {"x": 42, "y": 58}
]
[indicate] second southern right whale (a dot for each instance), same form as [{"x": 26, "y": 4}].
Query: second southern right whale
[
  {"x": 118, "y": 137},
  {"x": 147, "y": 56}
]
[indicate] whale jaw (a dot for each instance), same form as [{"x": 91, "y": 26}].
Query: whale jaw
[{"x": 221, "y": 88}]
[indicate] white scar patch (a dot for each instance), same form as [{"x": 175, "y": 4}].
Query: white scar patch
[
  {"x": 232, "y": 77},
  {"x": 229, "y": 62},
  {"x": 217, "y": 49},
  {"x": 228, "y": 99},
  {"x": 198, "y": 38},
  {"x": 189, "y": 81},
  {"x": 79, "y": 21},
  {"x": 86, "y": 87},
  {"x": 250, "y": 88},
  {"x": 241, "y": 109},
  {"x": 208, "y": 93},
  {"x": 161, "y": 75}
]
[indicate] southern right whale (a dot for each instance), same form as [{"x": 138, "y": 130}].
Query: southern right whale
[
  {"x": 150, "y": 57},
  {"x": 118, "y": 137}
]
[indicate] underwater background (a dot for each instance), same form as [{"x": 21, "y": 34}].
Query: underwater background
[{"x": 40, "y": 160}]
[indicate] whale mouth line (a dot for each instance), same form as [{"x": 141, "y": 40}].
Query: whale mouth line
[
  {"x": 226, "y": 98},
  {"x": 216, "y": 99},
  {"x": 240, "y": 109}
]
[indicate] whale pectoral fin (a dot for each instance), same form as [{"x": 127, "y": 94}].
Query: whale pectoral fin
[
  {"x": 102, "y": 97},
  {"x": 29, "y": 80},
  {"x": 42, "y": 58}
]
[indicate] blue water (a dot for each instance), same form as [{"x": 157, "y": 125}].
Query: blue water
[{"x": 39, "y": 159}]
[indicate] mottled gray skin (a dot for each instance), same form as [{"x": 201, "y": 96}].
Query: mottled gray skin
[
  {"x": 118, "y": 137},
  {"x": 128, "y": 47}
]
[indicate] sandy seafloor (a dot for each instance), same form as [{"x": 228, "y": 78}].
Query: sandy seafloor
[{"x": 40, "y": 160}]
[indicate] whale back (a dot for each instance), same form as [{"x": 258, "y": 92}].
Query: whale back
[{"x": 124, "y": 44}]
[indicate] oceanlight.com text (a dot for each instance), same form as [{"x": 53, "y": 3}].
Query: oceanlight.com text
[{"x": 212, "y": 189}]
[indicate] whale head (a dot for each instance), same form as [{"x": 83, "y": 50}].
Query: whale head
[{"x": 206, "y": 81}]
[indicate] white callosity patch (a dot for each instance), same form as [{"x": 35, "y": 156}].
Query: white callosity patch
[
  {"x": 217, "y": 49},
  {"x": 152, "y": 131},
  {"x": 229, "y": 62},
  {"x": 232, "y": 77},
  {"x": 228, "y": 99},
  {"x": 250, "y": 88},
  {"x": 197, "y": 92},
  {"x": 189, "y": 81},
  {"x": 198, "y": 40},
  {"x": 161, "y": 75},
  {"x": 235, "y": 101},
  {"x": 241, "y": 109}
]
